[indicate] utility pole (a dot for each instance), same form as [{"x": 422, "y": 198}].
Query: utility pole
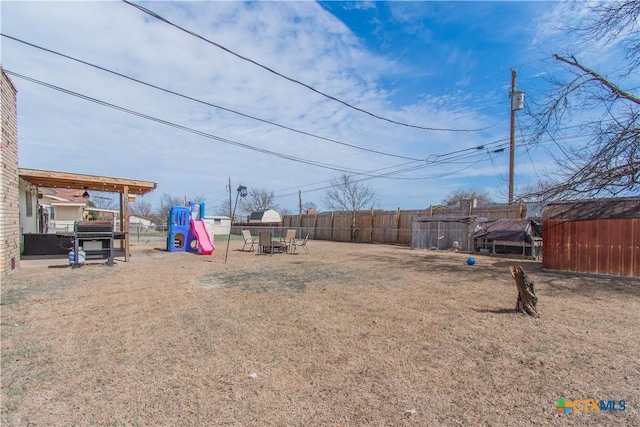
[
  {"x": 230, "y": 214},
  {"x": 300, "y": 201},
  {"x": 517, "y": 103}
]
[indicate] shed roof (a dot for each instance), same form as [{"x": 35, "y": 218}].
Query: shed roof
[
  {"x": 579, "y": 210},
  {"x": 63, "y": 195},
  {"x": 258, "y": 215}
]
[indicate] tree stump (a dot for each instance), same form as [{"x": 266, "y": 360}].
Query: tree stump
[{"x": 527, "y": 299}]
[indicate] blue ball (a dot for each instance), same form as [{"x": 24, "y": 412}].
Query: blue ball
[{"x": 471, "y": 261}]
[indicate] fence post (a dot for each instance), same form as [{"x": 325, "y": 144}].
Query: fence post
[
  {"x": 315, "y": 224},
  {"x": 371, "y": 226},
  {"x": 331, "y": 227},
  {"x": 398, "y": 226}
]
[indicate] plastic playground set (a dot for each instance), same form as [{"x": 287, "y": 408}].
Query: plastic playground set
[{"x": 187, "y": 231}]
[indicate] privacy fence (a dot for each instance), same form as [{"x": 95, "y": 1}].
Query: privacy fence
[{"x": 423, "y": 228}]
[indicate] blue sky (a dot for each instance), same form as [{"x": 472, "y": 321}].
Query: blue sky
[{"x": 442, "y": 65}]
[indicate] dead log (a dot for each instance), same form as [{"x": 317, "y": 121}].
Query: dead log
[{"x": 527, "y": 300}]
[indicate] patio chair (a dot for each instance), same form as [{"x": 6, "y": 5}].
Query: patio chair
[
  {"x": 301, "y": 243},
  {"x": 289, "y": 238},
  {"x": 248, "y": 240},
  {"x": 265, "y": 242}
]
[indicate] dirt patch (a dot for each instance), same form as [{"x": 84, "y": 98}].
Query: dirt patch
[{"x": 347, "y": 335}]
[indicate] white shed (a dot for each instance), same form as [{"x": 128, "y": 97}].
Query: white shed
[
  {"x": 139, "y": 223},
  {"x": 269, "y": 215},
  {"x": 218, "y": 224}
]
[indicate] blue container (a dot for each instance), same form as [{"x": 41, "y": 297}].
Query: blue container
[{"x": 82, "y": 255}]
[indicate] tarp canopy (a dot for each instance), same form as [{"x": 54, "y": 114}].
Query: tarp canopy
[{"x": 514, "y": 230}]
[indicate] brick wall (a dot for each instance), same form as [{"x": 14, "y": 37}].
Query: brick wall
[{"x": 9, "y": 211}]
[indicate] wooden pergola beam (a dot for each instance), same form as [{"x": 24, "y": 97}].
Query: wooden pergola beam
[{"x": 53, "y": 179}]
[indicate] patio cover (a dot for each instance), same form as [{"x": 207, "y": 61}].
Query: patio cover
[
  {"x": 123, "y": 186},
  {"x": 52, "y": 179}
]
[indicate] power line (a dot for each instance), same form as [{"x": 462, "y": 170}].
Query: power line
[
  {"x": 205, "y": 102},
  {"x": 498, "y": 173},
  {"x": 447, "y": 158},
  {"x": 185, "y": 128},
  {"x": 528, "y": 149},
  {"x": 367, "y": 174},
  {"x": 224, "y": 140},
  {"x": 242, "y": 114},
  {"x": 290, "y": 79},
  {"x": 374, "y": 177},
  {"x": 497, "y": 148}
]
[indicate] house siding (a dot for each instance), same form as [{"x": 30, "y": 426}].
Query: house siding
[
  {"x": 68, "y": 213},
  {"x": 9, "y": 183},
  {"x": 28, "y": 223}
]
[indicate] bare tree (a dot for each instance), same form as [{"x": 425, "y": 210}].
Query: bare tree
[
  {"x": 142, "y": 208},
  {"x": 350, "y": 196},
  {"x": 224, "y": 208},
  {"x": 169, "y": 200},
  {"x": 608, "y": 163},
  {"x": 612, "y": 22},
  {"x": 259, "y": 199},
  {"x": 456, "y": 196},
  {"x": 104, "y": 200},
  {"x": 309, "y": 206}
]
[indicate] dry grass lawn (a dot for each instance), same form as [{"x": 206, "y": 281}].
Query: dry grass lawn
[{"x": 350, "y": 335}]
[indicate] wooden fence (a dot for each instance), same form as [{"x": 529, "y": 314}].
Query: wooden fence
[{"x": 391, "y": 227}]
